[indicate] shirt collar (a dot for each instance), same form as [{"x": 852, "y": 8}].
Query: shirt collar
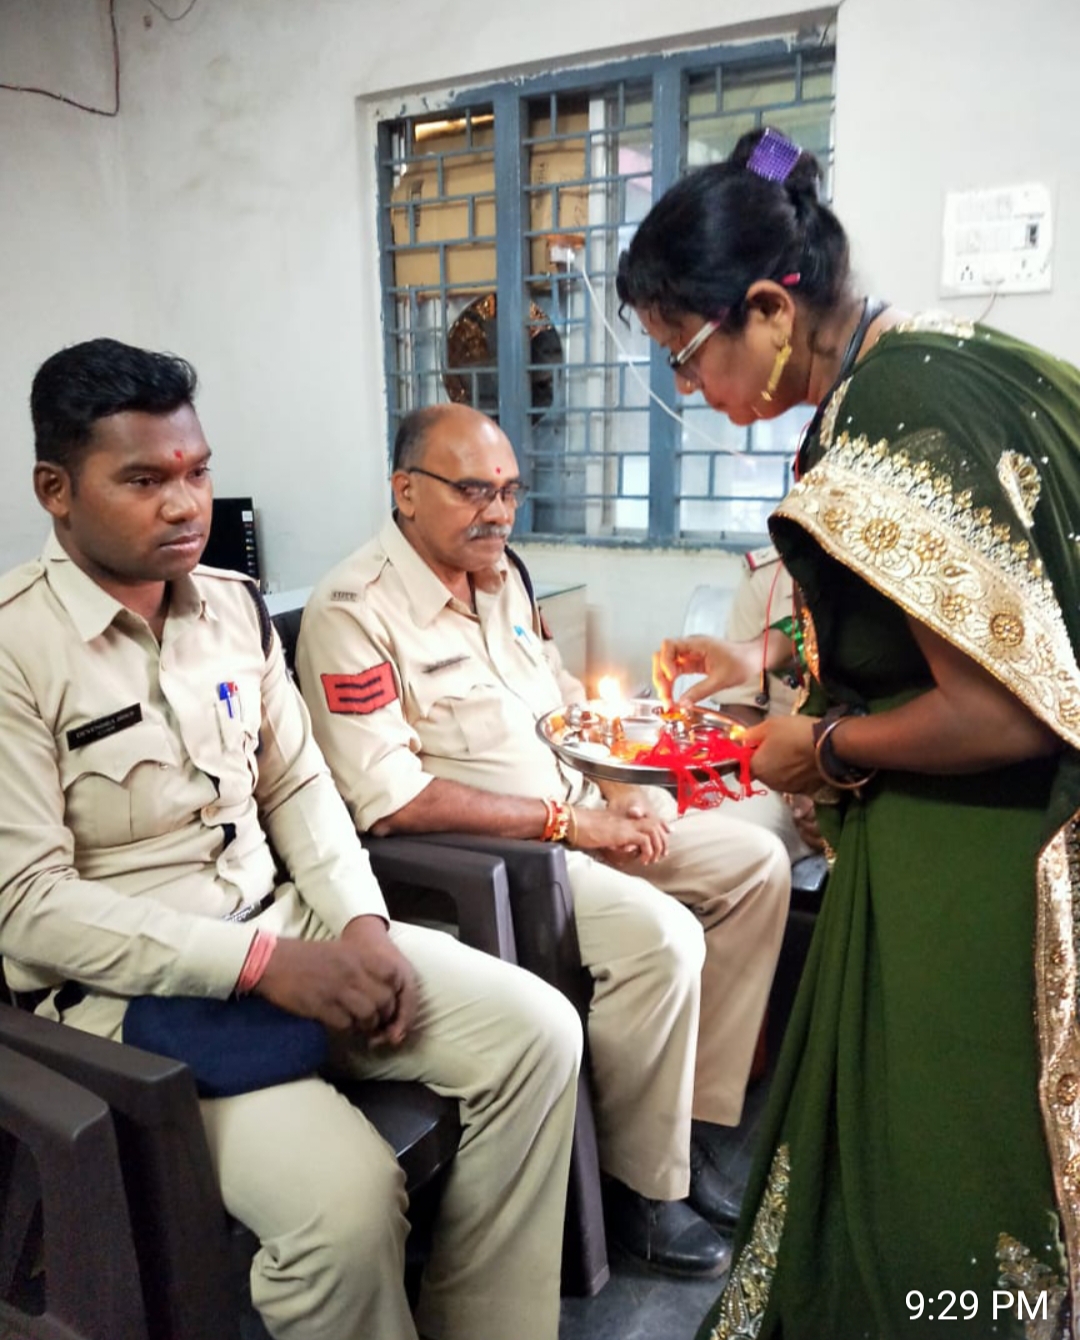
[
  {"x": 90, "y": 607},
  {"x": 428, "y": 596}
]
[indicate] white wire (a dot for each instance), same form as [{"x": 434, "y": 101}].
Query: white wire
[{"x": 688, "y": 426}]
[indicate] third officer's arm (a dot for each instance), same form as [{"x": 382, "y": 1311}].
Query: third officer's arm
[{"x": 374, "y": 753}]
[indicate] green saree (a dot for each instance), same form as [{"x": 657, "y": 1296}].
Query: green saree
[{"x": 920, "y": 1155}]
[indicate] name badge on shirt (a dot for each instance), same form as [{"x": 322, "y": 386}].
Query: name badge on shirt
[{"x": 104, "y": 726}]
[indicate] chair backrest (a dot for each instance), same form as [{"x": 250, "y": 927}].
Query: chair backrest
[
  {"x": 287, "y": 624},
  {"x": 175, "y": 1205},
  {"x": 706, "y": 613},
  {"x": 707, "y": 610},
  {"x": 58, "y": 1148}
]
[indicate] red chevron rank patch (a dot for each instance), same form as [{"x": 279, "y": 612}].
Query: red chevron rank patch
[{"x": 360, "y": 694}]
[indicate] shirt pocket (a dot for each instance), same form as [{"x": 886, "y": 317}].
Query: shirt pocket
[
  {"x": 237, "y": 764},
  {"x": 462, "y": 712},
  {"x": 114, "y": 792}
]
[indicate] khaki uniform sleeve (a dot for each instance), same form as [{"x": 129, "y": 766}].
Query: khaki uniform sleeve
[
  {"x": 53, "y": 921},
  {"x": 302, "y": 812},
  {"x": 350, "y": 682}
]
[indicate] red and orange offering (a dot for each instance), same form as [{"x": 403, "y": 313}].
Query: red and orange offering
[{"x": 640, "y": 742}]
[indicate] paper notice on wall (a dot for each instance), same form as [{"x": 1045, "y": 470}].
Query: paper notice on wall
[{"x": 997, "y": 241}]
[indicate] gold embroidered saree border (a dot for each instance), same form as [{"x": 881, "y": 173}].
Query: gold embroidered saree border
[
  {"x": 746, "y": 1295},
  {"x": 900, "y": 526},
  {"x": 1056, "y": 920}
]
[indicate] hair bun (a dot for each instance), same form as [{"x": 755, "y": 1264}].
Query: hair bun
[
  {"x": 801, "y": 183},
  {"x": 804, "y": 179}
]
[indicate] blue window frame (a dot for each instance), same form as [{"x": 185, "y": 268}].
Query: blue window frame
[{"x": 501, "y": 219}]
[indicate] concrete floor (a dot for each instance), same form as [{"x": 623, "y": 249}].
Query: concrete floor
[{"x": 639, "y": 1304}]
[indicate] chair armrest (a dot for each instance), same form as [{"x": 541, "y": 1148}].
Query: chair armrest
[
  {"x": 91, "y": 1275},
  {"x": 178, "y": 1220},
  {"x": 543, "y": 912},
  {"x": 475, "y": 883}
]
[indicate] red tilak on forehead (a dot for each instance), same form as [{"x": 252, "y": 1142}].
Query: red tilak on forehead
[
  {"x": 498, "y": 471},
  {"x": 179, "y": 455}
]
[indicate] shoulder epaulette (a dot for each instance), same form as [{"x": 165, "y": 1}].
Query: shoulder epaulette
[
  {"x": 761, "y": 558},
  {"x": 227, "y": 574},
  {"x": 266, "y": 627},
  {"x": 365, "y": 570},
  {"x": 20, "y": 579}
]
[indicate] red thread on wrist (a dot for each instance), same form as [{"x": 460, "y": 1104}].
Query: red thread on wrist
[{"x": 258, "y": 956}]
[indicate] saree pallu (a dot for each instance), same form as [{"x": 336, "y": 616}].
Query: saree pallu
[{"x": 919, "y": 1165}]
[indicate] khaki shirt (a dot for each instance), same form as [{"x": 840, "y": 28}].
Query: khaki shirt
[
  {"x": 764, "y": 597},
  {"x": 404, "y": 683},
  {"x": 137, "y": 793}
]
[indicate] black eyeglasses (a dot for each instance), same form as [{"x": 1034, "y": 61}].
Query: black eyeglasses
[
  {"x": 677, "y": 362},
  {"x": 476, "y": 492}
]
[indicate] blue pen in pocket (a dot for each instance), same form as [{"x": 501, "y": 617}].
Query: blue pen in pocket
[{"x": 525, "y": 641}]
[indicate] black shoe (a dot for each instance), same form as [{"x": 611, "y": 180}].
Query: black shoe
[
  {"x": 713, "y": 1194},
  {"x": 665, "y": 1234}
]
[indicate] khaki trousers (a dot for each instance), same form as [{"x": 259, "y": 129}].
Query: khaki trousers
[
  {"x": 658, "y": 964},
  {"x": 307, "y": 1173}
]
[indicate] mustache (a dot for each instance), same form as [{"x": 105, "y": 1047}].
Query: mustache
[{"x": 487, "y": 531}]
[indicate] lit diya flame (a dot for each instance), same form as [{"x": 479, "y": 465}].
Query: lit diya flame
[{"x": 609, "y": 691}]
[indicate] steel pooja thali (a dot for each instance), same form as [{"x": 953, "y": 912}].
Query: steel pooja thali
[{"x": 604, "y": 741}]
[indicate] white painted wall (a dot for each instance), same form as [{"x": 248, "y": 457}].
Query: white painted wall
[
  {"x": 229, "y": 214},
  {"x": 63, "y": 224}
]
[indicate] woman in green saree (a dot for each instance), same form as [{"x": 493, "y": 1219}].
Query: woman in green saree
[{"x": 920, "y": 1155}]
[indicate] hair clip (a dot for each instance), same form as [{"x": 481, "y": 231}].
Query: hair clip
[
  {"x": 773, "y": 157},
  {"x": 790, "y": 280}
]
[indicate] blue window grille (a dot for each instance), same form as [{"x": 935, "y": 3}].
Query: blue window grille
[{"x": 501, "y": 220}]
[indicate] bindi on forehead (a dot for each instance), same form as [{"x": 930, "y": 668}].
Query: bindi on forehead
[
  {"x": 179, "y": 455},
  {"x": 498, "y": 471}
]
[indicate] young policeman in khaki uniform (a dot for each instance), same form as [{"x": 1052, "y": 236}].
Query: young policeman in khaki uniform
[
  {"x": 425, "y": 673},
  {"x": 150, "y": 746}
]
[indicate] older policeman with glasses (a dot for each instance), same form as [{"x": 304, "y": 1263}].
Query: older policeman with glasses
[{"x": 425, "y": 667}]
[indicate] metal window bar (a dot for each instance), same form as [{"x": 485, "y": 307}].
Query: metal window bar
[{"x": 605, "y": 463}]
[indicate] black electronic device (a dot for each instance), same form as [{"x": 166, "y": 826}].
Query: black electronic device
[{"x": 232, "y": 542}]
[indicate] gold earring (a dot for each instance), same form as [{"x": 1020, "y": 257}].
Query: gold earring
[{"x": 782, "y": 356}]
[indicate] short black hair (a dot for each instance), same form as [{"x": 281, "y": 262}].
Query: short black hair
[
  {"x": 412, "y": 433},
  {"x": 89, "y": 381}
]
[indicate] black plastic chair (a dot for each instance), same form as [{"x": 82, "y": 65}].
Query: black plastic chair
[
  {"x": 545, "y": 935},
  {"x": 191, "y": 1258},
  {"x": 63, "y": 1207},
  {"x": 192, "y": 1261}
]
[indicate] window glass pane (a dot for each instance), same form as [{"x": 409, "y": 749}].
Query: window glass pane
[
  {"x": 582, "y": 385},
  {"x": 783, "y": 433},
  {"x": 694, "y": 475},
  {"x": 757, "y": 88},
  {"x": 710, "y": 140}
]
